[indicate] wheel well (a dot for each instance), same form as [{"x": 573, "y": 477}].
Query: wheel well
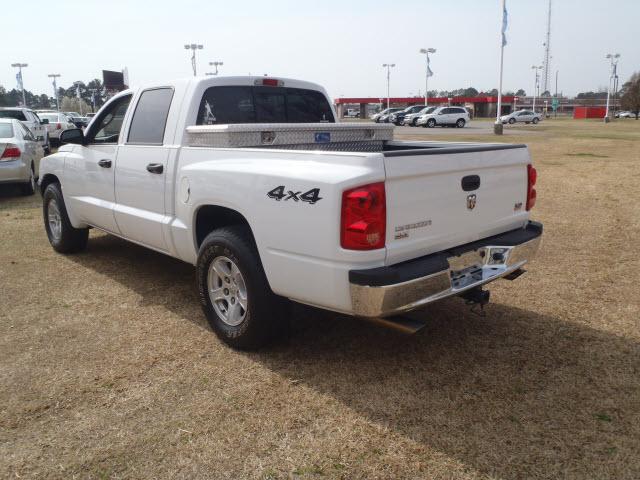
[
  {"x": 211, "y": 217},
  {"x": 48, "y": 179}
]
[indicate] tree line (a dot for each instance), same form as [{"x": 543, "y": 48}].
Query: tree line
[{"x": 91, "y": 93}]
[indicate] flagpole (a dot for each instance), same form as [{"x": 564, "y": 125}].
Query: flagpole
[{"x": 497, "y": 128}]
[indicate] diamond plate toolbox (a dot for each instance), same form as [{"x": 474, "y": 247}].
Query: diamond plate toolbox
[{"x": 298, "y": 136}]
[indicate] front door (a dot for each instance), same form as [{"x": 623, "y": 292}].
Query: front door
[{"x": 89, "y": 168}]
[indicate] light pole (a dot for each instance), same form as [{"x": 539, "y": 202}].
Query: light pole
[
  {"x": 55, "y": 88},
  {"x": 613, "y": 58},
  {"x": 388, "y": 66},
  {"x": 20, "y": 66},
  {"x": 536, "y": 85},
  {"x": 426, "y": 52},
  {"x": 193, "y": 47},
  {"x": 215, "y": 64}
]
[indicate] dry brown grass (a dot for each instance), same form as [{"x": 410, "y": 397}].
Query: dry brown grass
[{"x": 107, "y": 369}]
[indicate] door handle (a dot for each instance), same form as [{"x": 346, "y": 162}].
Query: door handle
[
  {"x": 104, "y": 163},
  {"x": 155, "y": 168}
]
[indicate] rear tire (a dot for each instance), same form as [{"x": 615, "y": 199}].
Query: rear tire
[
  {"x": 460, "y": 123},
  {"x": 63, "y": 237},
  {"x": 29, "y": 187},
  {"x": 234, "y": 292}
]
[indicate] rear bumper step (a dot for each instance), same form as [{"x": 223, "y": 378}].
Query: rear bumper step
[{"x": 387, "y": 291}]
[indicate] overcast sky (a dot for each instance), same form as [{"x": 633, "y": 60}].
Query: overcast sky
[{"x": 340, "y": 44}]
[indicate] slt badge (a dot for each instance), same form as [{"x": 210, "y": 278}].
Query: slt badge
[{"x": 471, "y": 201}]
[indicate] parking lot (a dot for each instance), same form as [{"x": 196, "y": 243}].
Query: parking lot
[{"x": 109, "y": 370}]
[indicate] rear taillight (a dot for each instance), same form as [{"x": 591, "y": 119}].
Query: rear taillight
[
  {"x": 58, "y": 126},
  {"x": 532, "y": 176},
  {"x": 364, "y": 217},
  {"x": 11, "y": 151}
]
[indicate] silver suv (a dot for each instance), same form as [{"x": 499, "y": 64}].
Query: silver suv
[{"x": 445, "y": 117}]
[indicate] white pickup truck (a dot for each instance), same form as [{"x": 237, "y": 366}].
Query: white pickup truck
[{"x": 251, "y": 180}]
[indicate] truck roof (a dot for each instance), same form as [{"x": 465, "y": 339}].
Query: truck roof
[{"x": 211, "y": 81}]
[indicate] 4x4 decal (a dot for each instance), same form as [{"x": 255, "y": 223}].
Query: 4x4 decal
[{"x": 311, "y": 197}]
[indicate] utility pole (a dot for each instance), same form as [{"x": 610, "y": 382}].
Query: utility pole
[
  {"x": 193, "y": 47},
  {"x": 556, "y": 95},
  {"x": 536, "y": 86},
  {"x": 429, "y": 73},
  {"x": 55, "y": 88},
  {"x": 388, "y": 66},
  {"x": 20, "y": 66},
  {"x": 613, "y": 58},
  {"x": 547, "y": 56}
]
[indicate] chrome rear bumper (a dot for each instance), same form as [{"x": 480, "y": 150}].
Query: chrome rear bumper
[{"x": 388, "y": 291}]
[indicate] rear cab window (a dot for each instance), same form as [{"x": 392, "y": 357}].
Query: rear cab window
[
  {"x": 261, "y": 104},
  {"x": 150, "y": 117}
]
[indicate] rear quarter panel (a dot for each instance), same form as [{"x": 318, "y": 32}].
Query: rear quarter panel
[{"x": 298, "y": 242}]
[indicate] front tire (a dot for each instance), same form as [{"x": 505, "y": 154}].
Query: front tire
[
  {"x": 431, "y": 123},
  {"x": 535, "y": 121},
  {"x": 512, "y": 121},
  {"x": 234, "y": 293},
  {"x": 63, "y": 237}
]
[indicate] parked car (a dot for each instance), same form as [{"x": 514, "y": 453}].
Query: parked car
[
  {"x": 385, "y": 117},
  {"x": 369, "y": 227},
  {"x": 445, "y": 117},
  {"x": 57, "y": 123},
  {"x": 32, "y": 121},
  {"x": 526, "y": 116},
  {"x": 90, "y": 115},
  {"x": 412, "y": 118},
  {"x": 80, "y": 122},
  {"x": 397, "y": 118},
  {"x": 624, "y": 114},
  {"x": 20, "y": 154}
]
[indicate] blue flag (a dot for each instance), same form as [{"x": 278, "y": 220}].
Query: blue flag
[
  {"x": 504, "y": 24},
  {"x": 19, "y": 80}
]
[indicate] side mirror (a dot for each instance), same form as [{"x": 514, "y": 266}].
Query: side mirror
[
  {"x": 44, "y": 122},
  {"x": 72, "y": 135}
]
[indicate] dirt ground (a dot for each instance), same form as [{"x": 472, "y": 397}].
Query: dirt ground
[{"x": 108, "y": 370}]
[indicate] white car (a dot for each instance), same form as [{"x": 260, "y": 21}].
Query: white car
[
  {"x": 20, "y": 155},
  {"x": 445, "y": 117},
  {"x": 412, "y": 118},
  {"x": 275, "y": 204},
  {"x": 526, "y": 116},
  {"x": 57, "y": 123},
  {"x": 32, "y": 121}
]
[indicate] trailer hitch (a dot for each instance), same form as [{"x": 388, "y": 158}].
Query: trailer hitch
[{"x": 477, "y": 298}]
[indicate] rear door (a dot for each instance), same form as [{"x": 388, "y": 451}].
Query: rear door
[
  {"x": 438, "y": 198},
  {"x": 141, "y": 171}
]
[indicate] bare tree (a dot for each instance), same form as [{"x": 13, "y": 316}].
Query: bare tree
[{"x": 630, "y": 99}]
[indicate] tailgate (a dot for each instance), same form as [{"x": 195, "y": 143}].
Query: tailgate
[{"x": 429, "y": 209}]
